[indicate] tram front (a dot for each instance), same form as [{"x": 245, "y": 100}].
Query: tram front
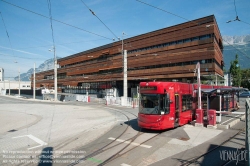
[{"x": 154, "y": 108}]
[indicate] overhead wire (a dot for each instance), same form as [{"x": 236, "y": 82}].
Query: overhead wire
[
  {"x": 54, "y": 49},
  {"x": 235, "y": 9},
  {"x": 163, "y": 10},
  {"x": 51, "y": 25},
  {"x": 245, "y": 22},
  {"x": 61, "y": 44},
  {"x": 7, "y": 33},
  {"x": 93, "y": 13},
  {"x": 20, "y": 57},
  {"x": 237, "y": 17},
  {"x": 55, "y": 19}
]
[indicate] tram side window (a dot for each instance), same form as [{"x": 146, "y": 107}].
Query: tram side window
[
  {"x": 186, "y": 102},
  {"x": 176, "y": 102},
  {"x": 165, "y": 102}
]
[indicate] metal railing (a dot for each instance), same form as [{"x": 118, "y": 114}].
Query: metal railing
[{"x": 131, "y": 102}]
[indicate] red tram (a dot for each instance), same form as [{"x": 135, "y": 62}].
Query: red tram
[{"x": 166, "y": 105}]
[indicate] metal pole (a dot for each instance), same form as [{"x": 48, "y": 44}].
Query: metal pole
[
  {"x": 125, "y": 79},
  {"x": 55, "y": 74},
  {"x": 247, "y": 145},
  {"x": 34, "y": 82},
  {"x": 216, "y": 81},
  {"x": 19, "y": 82},
  {"x": 199, "y": 85},
  {"x": 9, "y": 87}
]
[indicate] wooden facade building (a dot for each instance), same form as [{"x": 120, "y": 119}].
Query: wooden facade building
[{"x": 168, "y": 54}]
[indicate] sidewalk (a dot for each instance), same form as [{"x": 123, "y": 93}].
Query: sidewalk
[{"x": 216, "y": 157}]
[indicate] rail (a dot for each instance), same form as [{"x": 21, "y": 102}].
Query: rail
[{"x": 247, "y": 143}]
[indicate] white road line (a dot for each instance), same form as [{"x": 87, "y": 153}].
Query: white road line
[
  {"x": 129, "y": 142},
  {"x": 34, "y": 139},
  {"x": 230, "y": 119},
  {"x": 35, "y": 147},
  {"x": 123, "y": 164}
]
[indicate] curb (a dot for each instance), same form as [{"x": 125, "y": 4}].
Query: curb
[{"x": 231, "y": 124}]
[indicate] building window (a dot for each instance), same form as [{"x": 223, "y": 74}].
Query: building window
[{"x": 105, "y": 57}]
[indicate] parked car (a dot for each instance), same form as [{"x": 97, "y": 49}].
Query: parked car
[{"x": 245, "y": 94}]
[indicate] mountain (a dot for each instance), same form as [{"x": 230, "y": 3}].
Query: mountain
[
  {"x": 236, "y": 45},
  {"x": 47, "y": 65},
  {"x": 236, "y": 40}
]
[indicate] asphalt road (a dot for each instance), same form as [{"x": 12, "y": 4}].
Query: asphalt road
[{"x": 77, "y": 133}]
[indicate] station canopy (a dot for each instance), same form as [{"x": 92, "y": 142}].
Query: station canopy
[{"x": 219, "y": 91}]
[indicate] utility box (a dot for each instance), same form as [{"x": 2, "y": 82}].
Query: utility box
[
  {"x": 199, "y": 116},
  {"x": 212, "y": 117}
]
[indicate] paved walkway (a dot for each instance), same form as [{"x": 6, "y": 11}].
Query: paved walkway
[{"x": 31, "y": 127}]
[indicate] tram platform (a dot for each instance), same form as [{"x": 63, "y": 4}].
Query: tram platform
[{"x": 228, "y": 118}]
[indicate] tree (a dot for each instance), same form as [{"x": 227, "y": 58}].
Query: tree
[
  {"x": 245, "y": 80},
  {"x": 235, "y": 72}
]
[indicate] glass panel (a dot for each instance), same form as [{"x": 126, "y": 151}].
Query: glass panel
[
  {"x": 186, "y": 102},
  {"x": 150, "y": 104}
]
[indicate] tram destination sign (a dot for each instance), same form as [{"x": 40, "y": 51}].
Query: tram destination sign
[{"x": 147, "y": 88}]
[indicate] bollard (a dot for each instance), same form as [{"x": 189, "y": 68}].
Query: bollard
[
  {"x": 199, "y": 118},
  {"x": 212, "y": 117}
]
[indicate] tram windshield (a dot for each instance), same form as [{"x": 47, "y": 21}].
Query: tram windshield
[{"x": 153, "y": 104}]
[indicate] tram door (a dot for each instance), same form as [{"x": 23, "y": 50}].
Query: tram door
[{"x": 177, "y": 109}]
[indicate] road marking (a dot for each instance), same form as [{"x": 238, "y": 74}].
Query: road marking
[
  {"x": 123, "y": 164},
  {"x": 34, "y": 139},
  {"x": 94, "y": 160},
  {"x": 230, "y": 119},
  {"x": 129, "y": 142}
]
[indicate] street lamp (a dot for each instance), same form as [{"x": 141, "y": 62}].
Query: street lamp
[
  {"x": 125, "y": 78},
  {"x": 55, "y": 72},
  {"x": 34, "y": 82}
]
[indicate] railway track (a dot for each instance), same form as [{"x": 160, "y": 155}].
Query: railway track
[
  {"x": 106, "y": 147},
  {"x": 195, "y": 160}
]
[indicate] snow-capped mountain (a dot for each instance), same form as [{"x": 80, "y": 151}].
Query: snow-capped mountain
[
  {"x": 236, "y": 40},
  {"x": 47, "y": 65},
  {"x": 239, "y": 45}
]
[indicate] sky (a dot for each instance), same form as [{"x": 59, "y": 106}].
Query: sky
[{"x": 26, "y": 33}]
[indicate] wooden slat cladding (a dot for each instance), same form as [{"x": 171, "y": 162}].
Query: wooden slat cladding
[
  {"x": 168, "y": 53},
  {"x": 173, "y": 33}
]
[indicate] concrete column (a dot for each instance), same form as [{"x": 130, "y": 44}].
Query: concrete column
[
  {"x": 199, "y": 84},
  {"x": 125, "y": 79},
  {"x": 34, "y": 82}
]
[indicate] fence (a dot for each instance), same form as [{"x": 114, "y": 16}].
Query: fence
[
  {"x": 2, "y": 92},
  {"x": 67, "y": 97},
  {"x": 130, "y": 102}
]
